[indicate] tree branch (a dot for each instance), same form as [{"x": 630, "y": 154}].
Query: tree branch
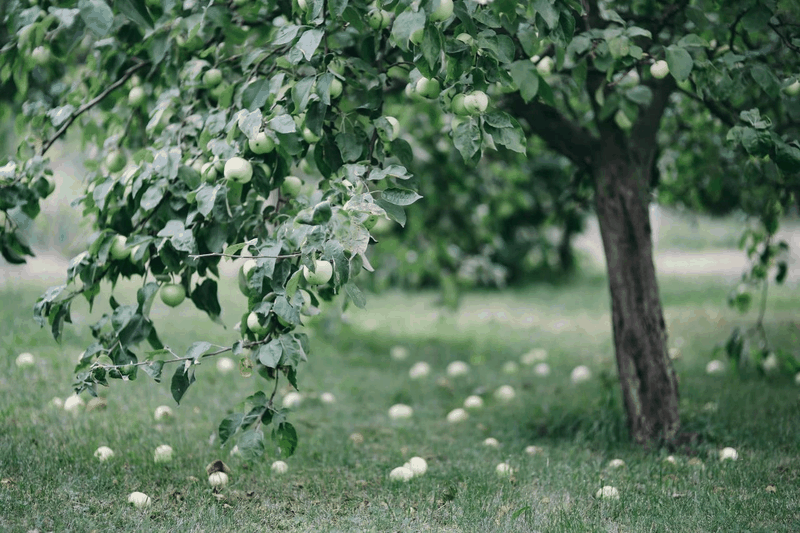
[
  {"x": 90, "y": 104},
  {"x": 286, "y": 256},
  {"x": 561, "y": 134}
]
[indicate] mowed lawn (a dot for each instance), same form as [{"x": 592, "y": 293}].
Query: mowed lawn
[{"x": 52, "y": 482}]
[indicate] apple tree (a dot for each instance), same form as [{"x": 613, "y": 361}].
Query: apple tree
[{"x": 226, "y": 130}]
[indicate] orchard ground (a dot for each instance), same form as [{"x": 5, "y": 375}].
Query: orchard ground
[{"x": 52, "y": 481}]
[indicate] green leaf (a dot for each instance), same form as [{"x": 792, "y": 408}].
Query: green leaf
[
  {"x": 153, "y": 369},
  {"x": 145, "y": 297},
  {"x": 301, "y": 92},
  {"x": 206, "y": 197},
  {"x": 395, "y": 212},
  {"x": 285, "y": 35},
  {"x": 181, "y": 380},
  {"x": 286, "y": 311},
  {"x": 400, "y": 197},
  {"x": 309, "y": 42},
  {"x": 525, "y": 78},
  {"x": 293, "y": 353},
  {"x": 228, "y": 426},
  {"x": 337, "y": 7},
  {"x": 355, "y": 295},
  {"x": 283, "y": 124},
  {"x": 136, "y": 11},
  {"x": 766, "y": 80},
  {"x": 547, "y": 10},
  {"x": 233, "y": 248},
  {"x": 197, "y": 349},
  {"x": 641, "y": 94},
  {"x": 333, "y": 251},
  {"x": 286, "y": 438},
  {"x": 97, "y": 16},
  {"x": 269, "y": 354},
  {"x": 204, "y": 296},
  {"x": 350, "y": 146},
  {"x": 405, "y": 24},
  {"x": 680, "y": 62},
  {"x": 251, "y": 444},
  {"x": 467, "y": 139},
  {"x": 256, "y": 94}
]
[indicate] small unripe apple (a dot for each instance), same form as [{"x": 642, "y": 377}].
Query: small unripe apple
[
  {"x": 41, "y": 55},
  {"x": 118, "y": 249},
  {"x": 136, "y": 97},
  {"x": 238, "y": 169},
  {"x": 337, "y": 66},
  {"x": 622, "y": 120},
  {"x": 323, "y": 271},
  {"x": 389, "y": 136},
  {"x": 793, "y": 89},
  {"x": 476, "y": 102},
  {"x": 659, "y": 70},
  {"x": 465, "y": 38},
  {"x": 457, "y": 105},
  {"x": 629, "y": 80},
  {"x": 173, "y": 294},
  {"x": 379, "y": 19},
  {"x": 255, "y": 325},
  {"x": 335, "y": 89},
  {"x": 115, "y": 161},
  {"x": 291, "y": 186},
  {"x": 416, "y": 37},
  {"x": 245, "y": 274},
  {"x": 545, "y": 66},
  {"x": 279, "y": 467},
  {"x": 309, "y": 136},
  {"x": 212, "y": 77},
  {"x": 443, "y": 11},
  {"x": 428, "y": 87},
  {"x": 262, "y": 144},
  {"x": 208, "y": 172}
]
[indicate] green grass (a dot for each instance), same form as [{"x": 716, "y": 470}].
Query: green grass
[{"x": 51, "y": 481}]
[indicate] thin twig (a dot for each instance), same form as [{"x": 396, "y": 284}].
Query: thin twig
[
  {"x": 90, "y": 104},
  {"x": 286, "y": 256},
  {"x": 183, "y": 359}
]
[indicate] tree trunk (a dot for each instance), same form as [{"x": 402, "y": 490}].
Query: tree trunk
[{"x": 649, "y": 385}]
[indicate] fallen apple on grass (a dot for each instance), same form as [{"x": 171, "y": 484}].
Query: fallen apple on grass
[
  {"x": 279, "y": 467},
  {"x": 163, "y": 454},
  {"x": 163, "y": 413},
  {"x": 218, "y": 480},
  {"x": 419, "y": 370},
  {"x": 401, "y": 474},
  {"x": 103, "y": 453},
  {"x": 139, "y": 499},
  {"x": 473, "y": 402},
  {"x": 505, "y": 393},
  {"x": 607, "y": 493},
  {"x": 25, "y": 359},
  {"x": 400, "y": 412}
]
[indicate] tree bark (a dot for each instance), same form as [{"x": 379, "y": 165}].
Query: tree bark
[{"x": 649, "y": 384}]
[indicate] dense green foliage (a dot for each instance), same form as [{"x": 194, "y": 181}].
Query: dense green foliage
[{"x": 195, "y": 115}]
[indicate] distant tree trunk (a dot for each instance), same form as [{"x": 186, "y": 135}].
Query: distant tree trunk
[{"x": 622, "y": 197}]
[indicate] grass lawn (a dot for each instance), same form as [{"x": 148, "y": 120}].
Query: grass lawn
[{"x": 52, "y": 482}]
